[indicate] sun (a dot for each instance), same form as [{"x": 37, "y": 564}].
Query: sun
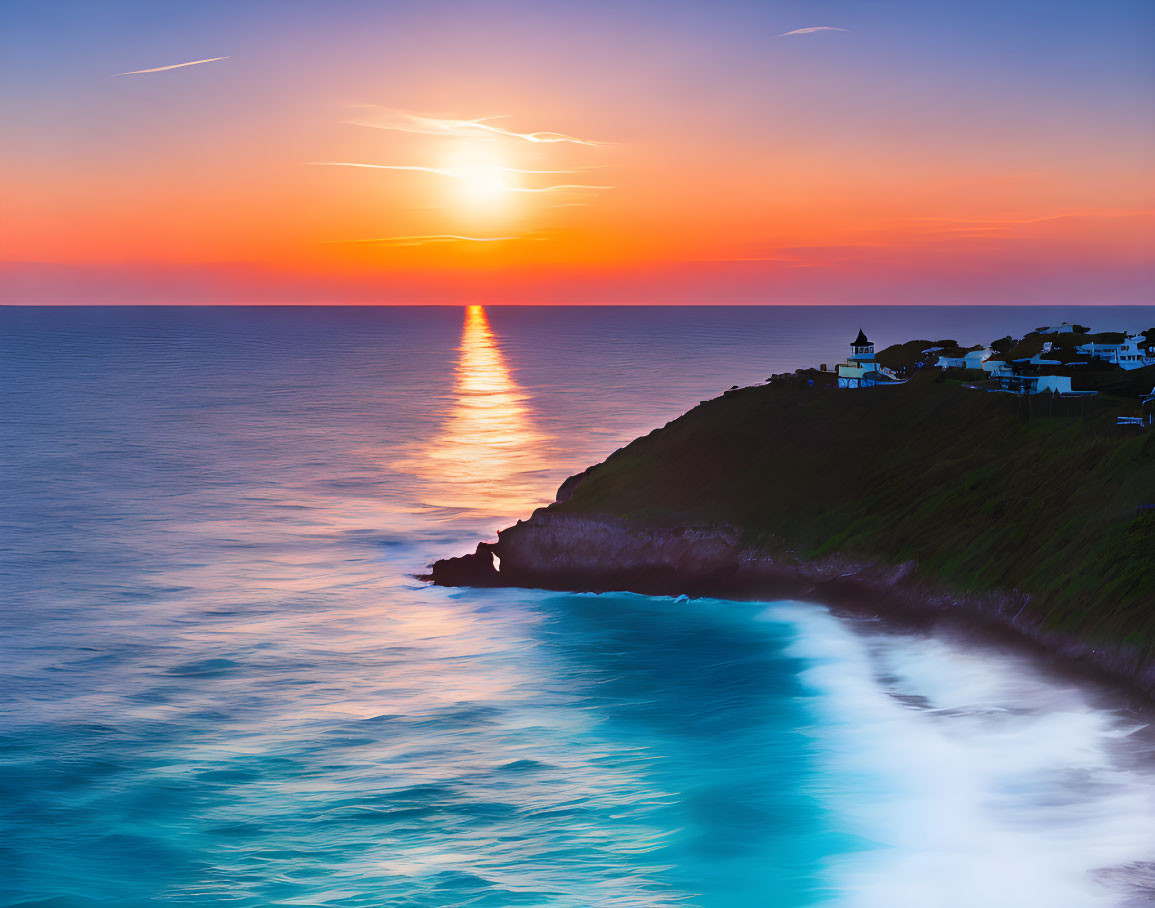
[
  {"x": 481, "y": 181},
  {"x": 481, "y": 178}
]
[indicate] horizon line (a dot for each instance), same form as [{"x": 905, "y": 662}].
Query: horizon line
[{"x": 635, "y": 305}]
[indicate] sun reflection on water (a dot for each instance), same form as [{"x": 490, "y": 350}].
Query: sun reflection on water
[{"x": 489, "y": 455}]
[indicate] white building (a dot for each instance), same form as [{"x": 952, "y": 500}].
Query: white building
[
  {"x": 997, "y": 367},
  {"x": 972, "y": 359},
  {"x": 1100, "y": 351},
  {"x": 1041, "y": 384},
  {"x": 1131, "y": 356},
  {"x": 1126, "y": 355},
  {"x": 1057, "y": 384},
  {"x": 860, "y": 369}
]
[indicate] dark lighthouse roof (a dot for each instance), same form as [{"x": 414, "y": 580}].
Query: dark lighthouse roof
[{"x": 861, "y": 340}]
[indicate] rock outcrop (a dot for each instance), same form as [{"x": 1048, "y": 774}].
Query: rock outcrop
[
  {"x": 928, "y": 502},
  {"x": 557, "y": 550}
]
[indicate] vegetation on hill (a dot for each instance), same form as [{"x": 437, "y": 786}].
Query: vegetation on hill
[
  {"x": 1108, "y": 379},
  {"x": 907, "y": 356},
  {"x": 1061, "y": 342},
  {"x": 986, "y": 492}
]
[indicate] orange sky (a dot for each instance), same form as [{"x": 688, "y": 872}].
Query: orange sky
[{"x": 729, "y": 165}]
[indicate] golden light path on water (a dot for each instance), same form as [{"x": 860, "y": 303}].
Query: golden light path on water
[{"x": 488, "y": 455}]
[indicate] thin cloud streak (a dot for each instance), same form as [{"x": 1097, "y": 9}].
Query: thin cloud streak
[
  {"x": 1087, "y": 213},
  {"x": 423, "y": 240},
  {"x": 160, "y": 69},
  {"x": 960, "y": 225},
  {"x": 405, "y": 121},
  {"x": 812, "y": 30},
  {"x": 414, "y": 167},
  {"x": 561, "y": 187},
  {"x": 445, "y": 172},
  {"x": 457, "y": 175}
]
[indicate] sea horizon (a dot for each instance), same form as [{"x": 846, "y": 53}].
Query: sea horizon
[{"x": 590, "y": 305}]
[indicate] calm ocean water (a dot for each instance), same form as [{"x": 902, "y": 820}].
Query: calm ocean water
[{"x": 222, "y": 684}]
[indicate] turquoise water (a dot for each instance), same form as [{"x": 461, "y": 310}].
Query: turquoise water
[{"x": 224, "y": 685}]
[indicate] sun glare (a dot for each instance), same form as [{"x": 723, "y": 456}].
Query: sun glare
[
  {"x": 481, "y": 181},
  {"x": 480, "y": 177}
]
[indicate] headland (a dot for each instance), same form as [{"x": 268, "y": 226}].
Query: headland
[{"x": 929, "y": 488}]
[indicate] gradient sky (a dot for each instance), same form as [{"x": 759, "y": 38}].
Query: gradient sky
[{"x": 990, "y": 151}]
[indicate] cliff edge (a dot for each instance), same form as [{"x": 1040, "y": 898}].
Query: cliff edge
[{"x": 1031, "y": 514}]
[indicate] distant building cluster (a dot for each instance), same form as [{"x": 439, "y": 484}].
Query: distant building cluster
[
  {"x": 1064, "y": 360},
  {"x": 1055, "y": 368}
]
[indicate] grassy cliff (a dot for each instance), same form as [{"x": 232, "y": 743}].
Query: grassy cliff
[{"x": 987, "y": 492}]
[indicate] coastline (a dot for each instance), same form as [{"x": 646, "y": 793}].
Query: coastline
[{"x": 571, "y": 552}]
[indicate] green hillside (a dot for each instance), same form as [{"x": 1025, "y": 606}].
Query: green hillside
[{"x": 985, "y": 491}]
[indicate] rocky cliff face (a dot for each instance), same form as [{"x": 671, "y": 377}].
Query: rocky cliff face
[{"x": 597, "y": 553}]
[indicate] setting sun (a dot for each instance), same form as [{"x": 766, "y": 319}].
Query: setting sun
[{"x": 480, "y": 182}]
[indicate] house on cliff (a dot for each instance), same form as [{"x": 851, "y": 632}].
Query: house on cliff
[
  {"x": 998, "y": 366},
  {"x": 861, "y": 370},
  {"x": 1031, "y": 367},
  {"x": 965, "y": 359},
  {"x": 1132, "y": 352},
  {"x": 1024, "y": 383},
  {"x": 1109, "y": 352}
]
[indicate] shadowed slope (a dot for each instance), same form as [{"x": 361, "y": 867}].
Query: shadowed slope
[{"x": 985, "y": 492}]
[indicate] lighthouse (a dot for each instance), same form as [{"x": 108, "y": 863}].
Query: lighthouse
[
  {"x": 862, "y": 350},
  {"x": 859, "y": 369}
]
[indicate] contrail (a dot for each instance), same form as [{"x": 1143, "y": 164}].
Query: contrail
[
  {"x": 160, "y": 69},
  {"x": 812, "y": 30}
]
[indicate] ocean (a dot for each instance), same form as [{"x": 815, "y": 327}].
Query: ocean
[{"x": 223, "y": 683}]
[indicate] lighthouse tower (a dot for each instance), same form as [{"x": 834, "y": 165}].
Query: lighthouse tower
[
  {"x": 862, "y": 350},
  {"x": 859, "y": 369}
]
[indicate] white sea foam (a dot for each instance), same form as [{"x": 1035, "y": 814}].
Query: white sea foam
[{"x": 972, "y": 779}]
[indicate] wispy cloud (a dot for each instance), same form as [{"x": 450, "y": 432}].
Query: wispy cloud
[
  {"x": 812, "y": 30},
  {"x": 466, "y": 175},
  {"x": 160, "y": 69},
  {"x": 1001, "y": 224},
  {"x": 443, "y": 171},
  {"x": 437, "y": 170},
  {"x": 424, "y": 240},
  {"x": 405, "y": 121},
  {"x": 559, "y": 188}
]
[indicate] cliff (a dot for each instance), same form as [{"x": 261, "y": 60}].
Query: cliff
[{"x": 1032, "y": 514}]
